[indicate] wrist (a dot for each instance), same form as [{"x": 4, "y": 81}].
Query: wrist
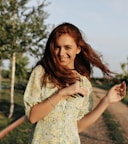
[
  {"x": 61, "y": 94},
  {"x": 58, "y": 95},
  {"x": 106, "y": 100}
]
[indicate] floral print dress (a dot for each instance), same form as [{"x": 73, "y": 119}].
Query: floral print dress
[{"x": 60, "y": 125}]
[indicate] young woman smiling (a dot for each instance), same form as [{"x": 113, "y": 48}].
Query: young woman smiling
[{"x": 57, "y": 94}]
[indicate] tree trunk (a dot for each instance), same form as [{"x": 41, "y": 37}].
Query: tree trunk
[
  {"x": 12, "y": 86},
  {"x": 13, "y": 63}
]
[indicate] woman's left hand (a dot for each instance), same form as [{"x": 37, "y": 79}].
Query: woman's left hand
[{"x": 116, "y": 93}]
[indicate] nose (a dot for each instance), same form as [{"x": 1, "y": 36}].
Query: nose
[{"x": 61, "y": 51}]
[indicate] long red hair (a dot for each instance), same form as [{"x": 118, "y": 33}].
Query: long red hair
[{"x": 84, "y": 61}]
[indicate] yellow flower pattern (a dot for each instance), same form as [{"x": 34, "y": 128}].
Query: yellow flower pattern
[{"x": 60, "y": 125}]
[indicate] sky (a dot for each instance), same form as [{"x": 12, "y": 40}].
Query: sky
[{"x": 104, "y": 24}]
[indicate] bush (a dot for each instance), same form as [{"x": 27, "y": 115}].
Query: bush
[
  {"x": 6, "y": 74},
  {"x": 19, "y": 135},
  {"x": 115, "y": 132}
]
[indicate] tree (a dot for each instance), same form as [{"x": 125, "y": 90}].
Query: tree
[
  {"x": 23, "y": 30},
  {"x": 21, "y": 67},
  {"x": 124, "y": 75},
  {"x": 0, "y": 74}
]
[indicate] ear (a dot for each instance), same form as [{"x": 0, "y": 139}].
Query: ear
[{"x": 78, "y": 50}]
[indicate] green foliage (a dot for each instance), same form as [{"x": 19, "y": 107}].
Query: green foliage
[
  {"x": 5, "y": 74},
  {"x": 4, "y": 107},
  {"x": 19, "y": 135},
  {"x": 21, "y": 73},
  {"x": 91, "y": 102},
  {"x": 124, "y": 75},
  {"x": 4, "y": 93},
  {"x": 22, "y": 28},
  {"x": 21, "y": 67},
  {"x": 125, "y": 100},
  {"x": 115, "y": 132},
  {"x": 102, "y": 83},
  {"x": 20, "y": 85}
]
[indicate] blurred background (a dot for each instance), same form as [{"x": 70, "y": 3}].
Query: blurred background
[{"x": 24, "y": 29}]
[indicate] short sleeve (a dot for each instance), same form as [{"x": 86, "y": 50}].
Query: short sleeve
[
  {"x": 32, "y": 93},
  {"x": 88, "y": 100}
]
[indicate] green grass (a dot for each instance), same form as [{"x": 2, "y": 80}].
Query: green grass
[
  {"x": 20, "y": 134},
  {"x": 115, "y": 131}
]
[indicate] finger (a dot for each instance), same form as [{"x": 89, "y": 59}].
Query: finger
[
  {"x": 123, "y": 85},
  {"x": 84, "y": 91},
  {"x": 80, "y": 95},
  {"x": 120, "y": 92},
  {"x": 123, "y": 88},
  {"x": 120, "y": 96},
  {"x": 117, "y": 86}
]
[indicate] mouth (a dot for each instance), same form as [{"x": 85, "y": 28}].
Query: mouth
[{"x": 63, "y": 59}]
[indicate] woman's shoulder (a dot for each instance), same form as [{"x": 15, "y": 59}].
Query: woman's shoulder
[
  {"x": 87, "y": 81},
  {"x": 38, "y": 67},
  {"x": 38, "y": 70}
]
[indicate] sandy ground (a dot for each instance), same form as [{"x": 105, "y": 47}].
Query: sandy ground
[{"x": 97, "y": 133}]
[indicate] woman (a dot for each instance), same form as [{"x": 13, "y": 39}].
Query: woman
[{"x": 57, "y": 95}]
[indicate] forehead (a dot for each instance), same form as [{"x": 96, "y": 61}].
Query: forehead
[{"x": 65, "y": 38}]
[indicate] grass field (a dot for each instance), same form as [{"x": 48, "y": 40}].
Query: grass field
[{"x": 20, "y": 134}]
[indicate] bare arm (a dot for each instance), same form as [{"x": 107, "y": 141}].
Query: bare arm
[
  {"x": 42, "y": 109},
  {"x": 115, "y": 94}
]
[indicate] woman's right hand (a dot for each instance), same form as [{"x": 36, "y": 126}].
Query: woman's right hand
[
  {"x": 116, "y": 93},
  {"x": 72, "y": 90}
]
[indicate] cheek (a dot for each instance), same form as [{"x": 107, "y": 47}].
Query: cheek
[
  {"x": 56, "y": 51},
  {"x": 73, "y": 53}
]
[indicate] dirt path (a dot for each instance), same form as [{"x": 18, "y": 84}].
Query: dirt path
[{"x": 97, "y": 133}]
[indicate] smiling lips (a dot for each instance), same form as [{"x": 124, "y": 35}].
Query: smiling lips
[{"x": 63, "y": 59}]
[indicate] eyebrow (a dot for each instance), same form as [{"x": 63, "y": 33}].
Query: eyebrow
[
  {"x": 64, "y": 45},
  {"x": 67, "y": 45}
]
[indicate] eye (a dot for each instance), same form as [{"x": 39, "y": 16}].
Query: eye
[
  {"x": 57, "y": 47},
  {"x": 67, "y": 47}
]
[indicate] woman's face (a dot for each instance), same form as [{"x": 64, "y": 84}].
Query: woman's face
[{"x": 66, "y": 50}]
